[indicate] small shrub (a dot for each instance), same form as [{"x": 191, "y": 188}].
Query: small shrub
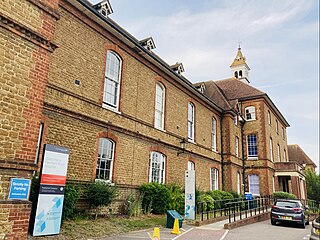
[
  {"x": 100, "y": 194},
  {"x": 284, "y": 195},
  {"x": 208, "y": 202},
  {"x": 176, "y": 198},
  {"x": 133, "y": 206},
  {"x": 155, "y": 198},
  {"x": 235, "y": 195},
  {"x": 71, "y": 197}
]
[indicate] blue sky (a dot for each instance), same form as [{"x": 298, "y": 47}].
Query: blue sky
[{"x": 280, "y": 40}]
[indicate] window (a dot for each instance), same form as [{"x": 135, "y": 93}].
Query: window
[
  {"x": 284, "y": 155},
  {"x": 112, "y": 81},
  {"x": 250, "y": 113},
  {"x": 157, "y": 167},
  {"x": 279, "y": 155},
  {"x": 271, "y": 150},
  {"x": 269, "y": 118},
  {"x": 238, "y": 183},
  {"x": 252, "y": 146},
  {"x": 237, "y": 147},
  {"x": 277, "y": 127},
  {"x": 214, "y": 176},
  {"x": 214, "y": 134},
  {"x": 235, "y": 119},
  {"x": 240, "y": 73},
  {"x": 191, "y": 122},
  {"x": 283, "y": 133},
  {"x": 190, "y": 165},
  {"x": 254, "y": 184},
  {"x": 105, "y": 159},
  {"x": 273, "y": 184},
  {"x": 159, "y": 108}
]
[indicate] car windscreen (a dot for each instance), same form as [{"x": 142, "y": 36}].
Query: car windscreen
[{"x": 288, "y": 204}]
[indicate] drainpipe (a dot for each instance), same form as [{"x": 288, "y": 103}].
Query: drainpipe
[
  {"x": 221, "y": 147},
  {"x": 243, "y": 122}
]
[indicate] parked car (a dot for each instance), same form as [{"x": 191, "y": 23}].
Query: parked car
[
  {"x": 315, "y": 230},
  {"x": 287, "y": 210}
]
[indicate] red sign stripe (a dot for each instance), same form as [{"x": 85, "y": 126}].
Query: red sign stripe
[{"x": 53, "y": 179}]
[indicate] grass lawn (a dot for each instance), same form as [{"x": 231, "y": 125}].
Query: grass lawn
[{"x": 89, "y": 228}]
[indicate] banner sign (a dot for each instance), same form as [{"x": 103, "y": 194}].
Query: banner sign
[
  {"x": 190, "y": 194},
  {"x": 51, "y": 192},
  {"x": 19, "y": 189}
]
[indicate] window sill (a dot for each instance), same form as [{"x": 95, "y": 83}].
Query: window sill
[
  {"x": 104, "y": 181},
  {"x": 105, "y": 106},
  {"x": 191, "y": 141},
  {"x": 162, "y": 130},
  {"x": 252, "y": 158},
  {"x": 250, "y": 120}
]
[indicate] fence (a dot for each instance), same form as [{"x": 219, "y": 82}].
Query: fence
[{"x": 241, "y": 208}]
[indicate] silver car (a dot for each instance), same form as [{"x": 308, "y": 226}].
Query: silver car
[
  {"x": 287, "y": 210},
  {"x": 315, "y": 230}
]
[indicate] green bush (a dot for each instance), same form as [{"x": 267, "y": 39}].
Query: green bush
[
  {"x": 218, "y": 195},
  {"x": 133, "y": 206},
  {"x": 71, "y": 197},
  {"x": 155, "y": 198},
  {"x": 100, "y": 194},
  {"x": 208, "y": 202},
  {"x": 176, "y": 198},
  {"x": 284, "y": 195}
]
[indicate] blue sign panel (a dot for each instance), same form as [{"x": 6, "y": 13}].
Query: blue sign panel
[
  {"x": 248, "y": 195},
  {"x": 19, "y": 189}
]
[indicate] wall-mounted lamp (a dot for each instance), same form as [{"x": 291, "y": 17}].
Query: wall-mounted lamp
[{"x": 182, "y": 146}]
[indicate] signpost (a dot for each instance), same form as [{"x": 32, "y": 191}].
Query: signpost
[
  {"x": 19, "y": 189},
  {"x": 190, "y": 194},
  {"x": 51, "y": 192}
]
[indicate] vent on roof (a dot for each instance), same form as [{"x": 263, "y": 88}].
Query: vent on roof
[
  {"x": 104, "y": 8},
  {"x": 178, "y": 67},
  {"x": 148, "y": 43}
]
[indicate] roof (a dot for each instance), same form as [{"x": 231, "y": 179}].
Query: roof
[
  {"x": 296, "y": 154},
  {"x": 233, "y": 88},
  {"x": 239, "y": 60}
]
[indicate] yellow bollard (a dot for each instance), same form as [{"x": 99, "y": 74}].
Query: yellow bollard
[
  {"x": 156, "y": 234},
  {"x": 176, "y": 227}
]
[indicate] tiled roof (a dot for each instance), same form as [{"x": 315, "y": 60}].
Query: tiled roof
[
  {"x": 296, "y": 154},
  {"x": 233, "y": 88},
  {"x": 239, "y": 60}
]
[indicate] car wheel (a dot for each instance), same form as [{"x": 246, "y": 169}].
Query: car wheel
[
  {"x": 303, "y": 224},
  {"x": 273, "y": 222}
]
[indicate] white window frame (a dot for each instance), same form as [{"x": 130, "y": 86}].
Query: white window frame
[
  {"x": 191, "y": 165},
  {"x": 235, "y": 120},
  {"x": 109, "y": 151},
  {"x": 283, "y": 133},
  {"x": 250, "y": 113},
  {"x": 277, "y": 127},
  {"x": 191, "y": 121},
  {"x": 214, "y": 179},
  {"x": 157, "y": 167},
  {"x": 109, "y": 79},
  {"x": 271, "y": 149},
  {"x": 279, "y": 153},
  {"x": 249, "y": 145},
  {"x": 269, "y": 118},
  {"x": 254, "y": 184},
  {"x": 237, "y": 146},
  {"x": 214, "y": 134},
  {"x": 159, "y": 106},
  {"x": 238, "y": 183}
]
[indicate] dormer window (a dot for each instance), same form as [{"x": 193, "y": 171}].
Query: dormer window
[
  {"x": 178, "y": 68},
  {"x": 201, "y": 88},
  {"x": 148, "y": 43},
  {"x": 104, "y": 8}
]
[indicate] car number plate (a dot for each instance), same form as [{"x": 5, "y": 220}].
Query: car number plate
[{"x": 286, "y": 217}]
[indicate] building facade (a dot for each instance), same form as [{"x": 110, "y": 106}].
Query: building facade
[{"x": 70, "y": 76}]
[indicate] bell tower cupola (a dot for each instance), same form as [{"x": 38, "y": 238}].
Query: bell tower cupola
[{"x": 239, "y": 67}]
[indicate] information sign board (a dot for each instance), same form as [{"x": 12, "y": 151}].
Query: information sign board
[
  {"x": 190, "y": 194},
  {"x": 19, "y": 189}
]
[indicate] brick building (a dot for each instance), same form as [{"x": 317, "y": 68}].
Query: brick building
[{"x": 72, "y": 77}]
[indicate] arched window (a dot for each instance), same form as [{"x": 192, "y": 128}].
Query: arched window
[
  {"x": 112, "y": 81},
  {"x": 279, "y": 153},
  {"x": 105, "y": 159},
  {"x": 240, "y": 73},
  {"x": 237, "y": 147},
  {"x": 157, "y": 167},
  {"x": 271, "y": 149},
  {"x": 214, "y": 179},
  {"x": 236, "y": 74},
  {"x": 159, "y": 107},
  {"x": 190, "y": 121},
  {"x": 190, "y": 165},
  {"x": 238, "y": 183},
  {"x": 250, "y": 113},
  {"x": 254, "y": 186},
  {"x": 214, "y": 134},
  {"x": 284, "y": 155}
]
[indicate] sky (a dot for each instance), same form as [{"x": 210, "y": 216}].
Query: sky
[{"x": 280, "y": 40}]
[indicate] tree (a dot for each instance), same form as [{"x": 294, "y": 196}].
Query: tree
[{"x": 313, "y": 185}]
